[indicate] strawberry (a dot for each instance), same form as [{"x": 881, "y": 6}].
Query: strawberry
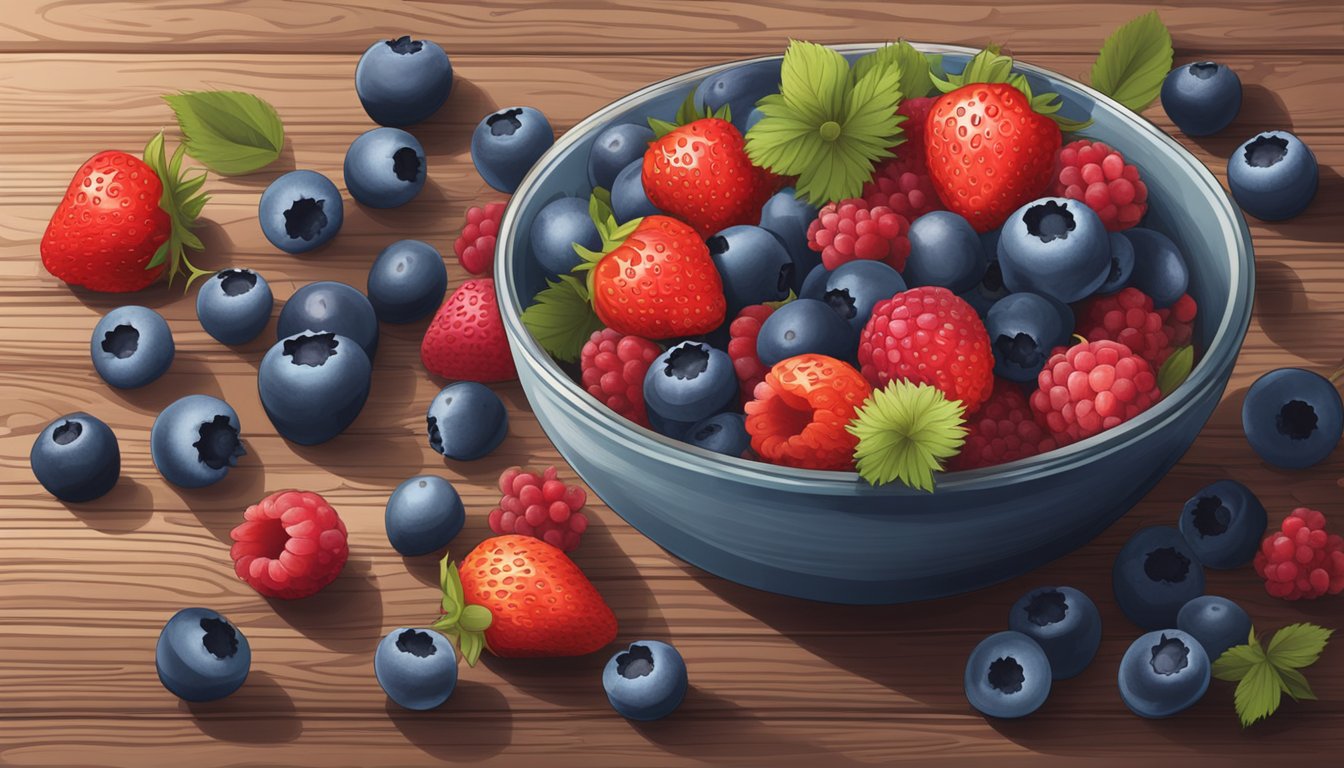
[
  {"x": 988, "y": 152},
  {"x": 466, "y": 340},
  {"x": 124, "y": 222},
  {"x": 519, "y": 597}
]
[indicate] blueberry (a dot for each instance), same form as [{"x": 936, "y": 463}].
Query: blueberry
[
  {"x": 131, "y": 347},
  {"x": 1163, "y": 672},
  {"x": 739, "y": 88},
  {"x": 628, "y": 199},
  {"x": 1064, "y": 622},
  {"x": 1273, "y": 176},
  {"x": 787, "y": 218},
  {"x": 507, "y": 143},
  {"x": 724, "y": 433},
  {"x": 854, "y": 288},
  {"x": 1055, "y": 247},
  {"x": 1023, "y": 329},
  {"x": 814, "y": 286},
  {"x": 616, "y": 147},
  {"x": 1216, "y": 622},
  {"x": 195, "y": 441},
  {"x": 466, "y": 421},
  {"x": 1292, "y": 418},
  {"x": 423, "y": 515},
  {"x": 1201, "y": 98},
  {"x": 403, "y": 81},
  {"x": 988, "y": 291},
  {"x": 1122, "y": 264},
  {"x": 1007, "y": 676},
  {"x": 557, "y": 228},
  {"x": 76, "y": 458},
  {"x": 689, "y": 382},
  {"x": 717, "y": 338},
  {"x": 313, "y": 384},
  {"x": 300, "y": 211},
  {"x": 1223, "y": 524},
  {"x": 646, "y": 681},
  {"x": 677, "y": 430},
  {"x": 385, "y": 168},
  {"x": 234, "y": 305},
  {"x": 201, "y": 656},
  {"x": 1155, "y": 574},
  {"x": 803, "y": 326},
  {"x": 1159, "y": 268},
  {"x": 417, "y": 668},
  {"x": 754, "y": 265},
  {"x": 334, "y": 307},
  {"x": 406, "y": 282},
  {"x": 944, "y": 251}
]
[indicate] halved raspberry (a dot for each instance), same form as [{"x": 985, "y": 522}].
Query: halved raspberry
[
  {"x": 291, "y": 544},
  {"x": 850, "y": 229},
  {"x": 742, "y": 334},
  {"x": 475, "y": 246},
  {"x": 904, "y": 186},
  {"x": 612, "y": 368},
  {"x": 800, "y": 412},
  {"x": 1092, "y": 387},
  {"x": 542, "y": 507},
  {"x": 1301, "y": 560},
  {"x": 1002, "y": 430},
  {"x": 1096, "y": 174}
]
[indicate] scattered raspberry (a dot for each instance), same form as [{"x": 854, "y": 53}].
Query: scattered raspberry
[
  {"x": 1092, "y": 387},
  {"x": 916, "y": 112},
  {"x": 850, "y": 230},
  {"x": 800, "y": 412},
  {"x": 1301, "y": 561},
  {"x": 1126, "y": 317},
  {"x": 612, "y": 369},
  {"x": 742, "y": 333},
  {"x": 475, "y": 247},
  {"x": 929, "y": 335},
  {"x": 1098, "y": 175},
  {"x": 291, "y": 544},
  {"x": 1178, "y": 321},
  {"x": 1003, "y": 430},
  {"x": 903, "y": 186},
  {"x": 541, "y": 507}
]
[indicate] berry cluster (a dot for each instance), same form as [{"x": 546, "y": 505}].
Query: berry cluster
[
  {"x": 475, "y": 246},
  {"x": 1092, "y": 387},
  {"x": 1301, "y": 560},
  {"x": 612, "y": 367},
  {"x": 1094, "y": 173},
  {"x": 540, "y": 506},
  {"x": 742, "y": 335},
  {"x": 1003, "y": 430},
  {"x": 852, "y": 229}
]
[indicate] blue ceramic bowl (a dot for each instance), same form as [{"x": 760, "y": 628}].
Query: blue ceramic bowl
[{"x": 828, "y": 535}]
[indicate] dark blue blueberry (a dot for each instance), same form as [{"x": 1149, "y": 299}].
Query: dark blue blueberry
[
  {"x": 1273, "y": 176},
  {"x": 754, "y": 265},
  {"x": 313, "y": 384},
  {"x": 76, "y": 458},
  {"x": 616, "y": 147},
  {"x": 385, "y": 168},
  {"x": 131, "y": 347},
  {"x": 1064, "y": 622},
  {"x": 739, "y": 88},
  {"x": 1023, "y": 329},
  {"x": 677, "y": 430},
  {"x": 1007, "y": 676},
  {"x": 507, "y": 143},
  {"x": 557, "y": 228},
  {"x": 423, "y": 515},
  {"x": 1122, "y": 264},
  {"x": 724, "y": 433},
  {"x": 466, "y": 421},
  {"x": 854, "y": 288},
  {"x": 201, "y": 656},
  {"x": 944, "y": 251},
  {"x": 195, "y": 441},
  {"x": 1216, "y": 622},
  {"x": 1164, "y": 672},
  {"x": 1055, "y": 247},
  {"x": 406, "y": 282},
  {"x": 814, "y": 286},
  {"x": 1159, "y": 267},
  {"x": 1155, "y": 574},
  {"x": 689, "y": 382},
  {"x": 1201, "y": 98},
  {"x": 300, "y": 211},
  {"x": 417, "y": 668},
  {"x": 628, "y": 199},
  {"x": 990, "y": 288},
  {"x": 1223, "y": 524},
  {"x": 330, "y": 306},
  {"x": 752, "y": 119},
  {"x": 234, "y": 305},
  {"x": 1292, "y": 418},
  {"x": 805, "y": 326},
  {"x": 717, "y": 338},
  {"x": 403, "y": 81},
  {"x": 787, "y": 218},
  {"x": 646, "y": 681}
]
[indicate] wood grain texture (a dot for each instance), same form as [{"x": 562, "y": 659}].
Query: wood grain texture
[{"x": 85, "y": 589}]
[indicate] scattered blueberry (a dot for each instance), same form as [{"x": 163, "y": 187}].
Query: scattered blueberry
[
  {"x": 1201, "y": 98},
  {"x": 945, "y": 250},
  {"x": 628, "y": 199},
  {"x": 1007, "y": 676},
  {"x": 646, "y": 681},
  {"x": 406, "y": 282},
  {"x": 739, "y": 88},
  {"x": 1023, "y": 329},
  {"x": 1122, "y": 264},
  {"x": 417, "y": 668},
  {"x": 330, "y": 306},
  {"x": 787, "y": 218},
  {"x": 1223, "y": 524},
  {"x": 1273, "y": 176},
  {"x": 754, "y": 265},
  {"x": 814, "y": 285},
  {"x": 556, "y": 229},
  {"x": 689, "y": 382},
  {"x": 403, "y": 81},
  {"x": 234, "y": 305},
  {"x": 76, "y": 458},
  {"x": 1163, "y": 672},
  {"x": 724, "y": 433},
  {"x": 616, "y": 147},
  {"x": 854, "y": 288},
  {"x": 200, "y": 656},
  {"x": 423, "y": 515},
  {"x": 466, "y": 421},
  {"x": 1292, "y": 418},
  {"x": 195, "y": 441},
  {"x": 131, "y": 347},
  {"x": 1155, "y": 574},
  {"x": 1064, "y": 622},
  {"x": 1159, "y": 268},
  {"x": 300, "y": 211},
  {"x": 1055, "y": 247},
  {"x": 1216, "y": 622},
  {"x": 313, "y": 384},
  {"x": 385, "y": 168},
  {"x": 803, "y": 326},
  {"x": 508, "y": 143}
]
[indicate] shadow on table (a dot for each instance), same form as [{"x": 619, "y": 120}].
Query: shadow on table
[
  {"x": 448, "y": 132},
  {"x": 260, "y": 712},
  {"x": 124, "y": 509},
  {"x": 346, "y": 616},
  {"x": 1262, "y": 109},
  {"x": 1281, "y": 301},
  {"x": 473, "y": 725}
]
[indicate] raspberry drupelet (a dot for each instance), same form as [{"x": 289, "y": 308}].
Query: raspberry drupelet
[
  {"x": 540, "y": 506},
  {"x": 1089, "y": 388},
  {"x": 1093, "y": 172},
  {"x": 612, "y": 368}
]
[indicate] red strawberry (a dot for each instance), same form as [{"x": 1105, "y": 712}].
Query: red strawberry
[
  {"x": 988, "y": 152},
  {"x": 466, "y": 338}
]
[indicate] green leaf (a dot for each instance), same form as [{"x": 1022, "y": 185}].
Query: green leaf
[
  {"x": 161, "y": 255},
  {"x": 1294, "y": 683},
  {"x": 813, "y": 80},
  {"x": 912, "y": 65},
  {"x": 462, "y": 623},
  {"x": 1133, "y": 62},
  {"x": 230, "y": 132},
  {"x": 562, "y": 319},
  {"x": 183, "y": 201},
  {"x": 990, "y": 66},
  {"x": 905, "y": 432},
  {"x": 1297, "y": 645},
  {"x": 471, "y": 645},
  {"x": 1258, "y": 694},
  {"x": 1175, "y": 370},
  {"x": 1237, "y": 661},
  {"x": 476, "y": 618}
]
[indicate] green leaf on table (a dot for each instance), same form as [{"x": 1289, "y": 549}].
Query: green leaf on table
[
  {"x": 1297, "y": 645},
  {"x": 1258, "y": 694},
  {"x": 1133, "y": 62},
  {"x": 1264, "y": 675},
  {"x": 230, "y": 132}
]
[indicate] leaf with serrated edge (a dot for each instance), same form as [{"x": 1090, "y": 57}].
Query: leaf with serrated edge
[
  {"x": 231, "y": 132},
  {"x": 561, "y": 318},
  {"x": 1258, "y": 694},
  {"x": 1134, "y": 61},
  {"x": 905, "y": 431},
  {"x": 1237, "y": 661},
  {"x": 1294, "y": 683},
  {"x": 1297, "y": 645},
  {"x": 812, "y": 80}
]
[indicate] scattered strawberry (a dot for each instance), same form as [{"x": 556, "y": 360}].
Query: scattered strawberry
[
  {"x": 612, "y": 368},
  {"x": 1092, "y": 387},
  {"x": 475, "y": 246},
  {"x": 291, "y": 544},
  {"x": 800, "y": 412},
  {"x": 742, "y": 334},
  {"x": 1301, "y": 560},
  {"x": 850, "y": 229},
  {"x": 542, "y": 507},
  {"x": 1002, "y": 430},
  {"x": 1093, "y": 172},
  {"x": 466, "y": 340}
]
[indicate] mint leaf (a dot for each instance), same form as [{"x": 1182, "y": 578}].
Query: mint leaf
[
  {"x": 1297, "y": 646},
  {"x": 230, "y": 132},
  {"x": 1133, "y": 62},
  {"x": 1176, "y": 370},
  {"x": 562, "y": 319},
  {"x": 1258, "y": 694}
]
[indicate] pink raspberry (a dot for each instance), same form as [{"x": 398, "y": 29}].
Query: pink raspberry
[
  {"x": 850, "y": 229},
  {"x": 1178, "y": 321},
  {"x": 612, "y": 368},
  {"x": 1089, "y": 388},
  {"x": 475, "y": 247},
  {"x": 1126, "y": 317},
  {"x": 541, "y": 507},
  {"x": 1094, "y": 173},
  {"x": 903, "y": 186},
  {"x": 290, "y": 545},
  {"x": 742, "y": 334},
  {"x": 1301, "y": 560}
]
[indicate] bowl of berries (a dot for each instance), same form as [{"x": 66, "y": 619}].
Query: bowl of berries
[{"x": 872, "y": 323}]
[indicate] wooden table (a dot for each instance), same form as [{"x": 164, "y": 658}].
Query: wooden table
[{"x": 85, "y": 589}]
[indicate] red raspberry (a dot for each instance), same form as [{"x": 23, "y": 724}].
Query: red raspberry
[
  {"x": 742, "y": 335},
  {"x": 929, "y": 335},
  {"x": 475, "y": 247},
  {"x": 1098, "y": 175},
  {"x": 800, "y": 412},
  {"x": 916, "y": 112},
  {"x": 903, "y": 186},
  {"x": 850, "y": 230},
  {"x": 291, "y": 544},
  {"x": 1003, "y": 430},
  {"x": 541, "y": 507},
  {"x": 1178, "y": 321},
  {"x": 1092, "y": 387},
  {"x": 1126, "y": 317},
  {"x": 612, "y": 368},
  {"x": 1301, "y": 560}
]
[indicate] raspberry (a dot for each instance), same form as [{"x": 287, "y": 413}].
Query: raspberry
[
  {"x": 612, "y": 368},
  {"x": 742, "y": 335},
  {"x": 541, "y": 507},
  {"x": 475, "y": 247},
  {"x": 1092, "y": 387},
  {"x": 849, "y": 230},
  {"x": 800, "y": 412},
  {"x": 903, "y": 186},
  {"x": 1178, "y": 321},
  {"x": 291, "y": 544},
  {"x": 1002, "y": 430},
  {"x": 1098, "y": 175},
  {"x": 1126, "y": 317},
  {"x": 929, "y": 335},
  {"x": 1301, "y": 560},
  {"x": 916, "y": 112}
]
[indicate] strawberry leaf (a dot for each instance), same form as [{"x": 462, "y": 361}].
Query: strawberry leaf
[
  {"x": 687, "y": 113},
  {"x": 1294, "y": 683},
  {"x": 561, "y": 318},
  {"x": 1297, "y": 646},
  {"x": 913, "y": 66},
  {"x": 1134, "y": 61},
  {"x": 1258, "y": 694},
  {"x": 1237, "y": 661},
  {"x": 1175, "y": 370},
  {"x": 183, "y": 201},
  {"x": 991, "y": 66},
  {"x": 230, "y": 132},
  {"x": 462, "y": 623},
  {"x": 905, "y": 433}
]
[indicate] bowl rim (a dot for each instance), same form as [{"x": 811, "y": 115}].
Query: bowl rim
[{"x": 1221, "y": 354}]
